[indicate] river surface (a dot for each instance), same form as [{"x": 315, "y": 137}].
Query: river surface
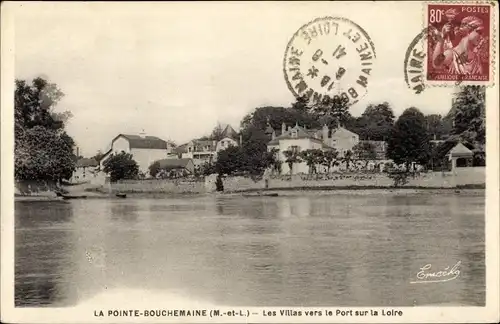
[{"x": 299, "y": 250}]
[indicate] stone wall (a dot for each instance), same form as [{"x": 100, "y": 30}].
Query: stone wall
[
  {"x": 158, "y": 186},
  {"x": 461, "y": 177}
]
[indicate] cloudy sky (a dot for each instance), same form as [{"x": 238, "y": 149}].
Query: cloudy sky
[{"x": 176, "y": 69}]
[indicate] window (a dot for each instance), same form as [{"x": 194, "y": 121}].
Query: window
[
  {"x": 295, "y": 149},
  {"x": 294, "y": 133}
]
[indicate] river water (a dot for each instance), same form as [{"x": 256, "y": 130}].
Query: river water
[{"x": 334, "y": 249}]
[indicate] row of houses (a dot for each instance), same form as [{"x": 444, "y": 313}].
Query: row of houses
[{"x": 149, "y": 149}]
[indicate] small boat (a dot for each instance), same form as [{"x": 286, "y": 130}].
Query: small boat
[
  {"x": 262, "y": 195},
  {"x": 121, "y": 195},
  {"x": 67, "y": 197}
]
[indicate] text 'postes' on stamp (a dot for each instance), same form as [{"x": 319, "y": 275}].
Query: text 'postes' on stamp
[{"x": 327, "y": 58}]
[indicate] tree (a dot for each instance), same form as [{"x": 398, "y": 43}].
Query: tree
[
  {"x": 377, "y": 121},
  {"x": 330, "y": 158},
  {"x": 291, "y": 157},
  {"x": 229, "y": 160},
  {"x": 437, "y": 127},
  {"x": 333, "y": 113},
  {"x": 312, "y": 157},
  {"x": 409, "y": 141},
  {"x": 43, "y": 150},
  {"x": 301, "y": 104},
  {"x": 42, "y": 154},
  {"x": 217, "y": 133},
  {"x": 348, "y": 157},
  {"x": 365, "y": 151},
  {"x": 121, "y": 166},
  {"x": 469, "y": 115}
]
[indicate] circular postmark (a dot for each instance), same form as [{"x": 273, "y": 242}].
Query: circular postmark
[
  {"x": 414, "y": 63},
  {"x": 329, "y": 58}
]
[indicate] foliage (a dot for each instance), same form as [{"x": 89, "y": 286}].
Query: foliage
[
  {"x": 438, "y": 127},
  {"x": 469, "y": 115},
  {"x": 121, "y": 166},
  {"x": 219, "y": 185},
  {"x": 217, "y": 133},
  {"x": 330, "y": 158},
  {"x": 348, "y": 157},
  {"x": 409, "y": 141},
  {"x": 376, "y": 122},
  {"x": 43, "y": 154},
  {"x": 43, "y": 150},
  {"x": 333, "y": 113},
  {"x": 291, "y": 157},
  {"x": 312, "y": 157},
  {"x": 399, "y": 177},
  {"x": 229, "y": 160}
]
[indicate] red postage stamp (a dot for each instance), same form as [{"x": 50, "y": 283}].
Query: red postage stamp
[{"x": 458, "y": 47}]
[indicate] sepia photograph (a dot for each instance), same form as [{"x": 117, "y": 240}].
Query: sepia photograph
[{"x": 250, "y": 162}]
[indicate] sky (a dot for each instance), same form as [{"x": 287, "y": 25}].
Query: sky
[{"x": 174, "y": 70}]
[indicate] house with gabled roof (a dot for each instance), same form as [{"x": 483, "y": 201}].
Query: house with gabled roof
[
  {"x": 144, "y": 149},
  {"x": 299, "y": 138},
  {"x": 205, "y": 151}
]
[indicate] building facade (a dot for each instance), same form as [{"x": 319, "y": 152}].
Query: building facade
[
  {"x": 144, "y": 149},
  {"x": 299, "y": 139}
]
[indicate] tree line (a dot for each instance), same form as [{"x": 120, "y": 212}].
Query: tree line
[{"x": 44, "y": 150}]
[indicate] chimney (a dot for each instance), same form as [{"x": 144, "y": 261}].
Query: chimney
[
  {"x": 289, "y": 128},
  {"x": 325, "y": 133},
  {"x": 274, "y": 134},
  {"x": 77, "y": 151},
  {"x": 283, "y": 128},
  {"x": 142, "y": 134}
]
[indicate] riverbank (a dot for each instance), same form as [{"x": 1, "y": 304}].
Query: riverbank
[{"x": 284, "y": 192}]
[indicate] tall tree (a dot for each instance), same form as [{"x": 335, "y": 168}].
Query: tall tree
[
  {"x": 333, "y": 113},
  {"x": 377, "y": 121},
  {"x": 217, "y": 133},
  {"x": 43, "y": 150},
  {"x": 409, "y": 141},
  {"x": 469, "y": 116}
]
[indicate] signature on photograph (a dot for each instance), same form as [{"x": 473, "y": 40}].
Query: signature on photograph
[{"x": 427, "y": 275}]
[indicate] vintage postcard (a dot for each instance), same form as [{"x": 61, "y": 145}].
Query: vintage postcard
[{"x": 250, "y": 162}]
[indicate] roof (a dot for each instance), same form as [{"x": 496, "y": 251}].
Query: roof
[
  {"x": 301, "y": 134},
  {"x": 459, "y": 150},
  {"x": 170, "y": 164},
  {"x": 146, "y": 142},
  {"x": 341, "y": 131},
  {"x": 85, "y": 162},
  {"x": 200, "y": 145},
  {"x": 229, "y": 132}
]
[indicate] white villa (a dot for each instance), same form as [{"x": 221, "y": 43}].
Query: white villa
[
  {"x": 298, "y": 139},
  {"x": 144, "y": 149},
  {"x": 205, "y": 151}
]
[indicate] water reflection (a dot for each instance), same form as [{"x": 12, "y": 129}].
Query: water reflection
[{"x": 330, "y": 250}]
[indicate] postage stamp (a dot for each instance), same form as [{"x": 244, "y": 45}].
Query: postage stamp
[
  {"x": 329, "y": 58},
  {"x": 459, "y": 43}
]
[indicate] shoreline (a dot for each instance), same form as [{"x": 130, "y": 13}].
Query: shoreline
[{"x": 282, "y": 191}]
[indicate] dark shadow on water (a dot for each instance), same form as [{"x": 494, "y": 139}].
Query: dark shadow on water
[{"x": 43, "y": 246}]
